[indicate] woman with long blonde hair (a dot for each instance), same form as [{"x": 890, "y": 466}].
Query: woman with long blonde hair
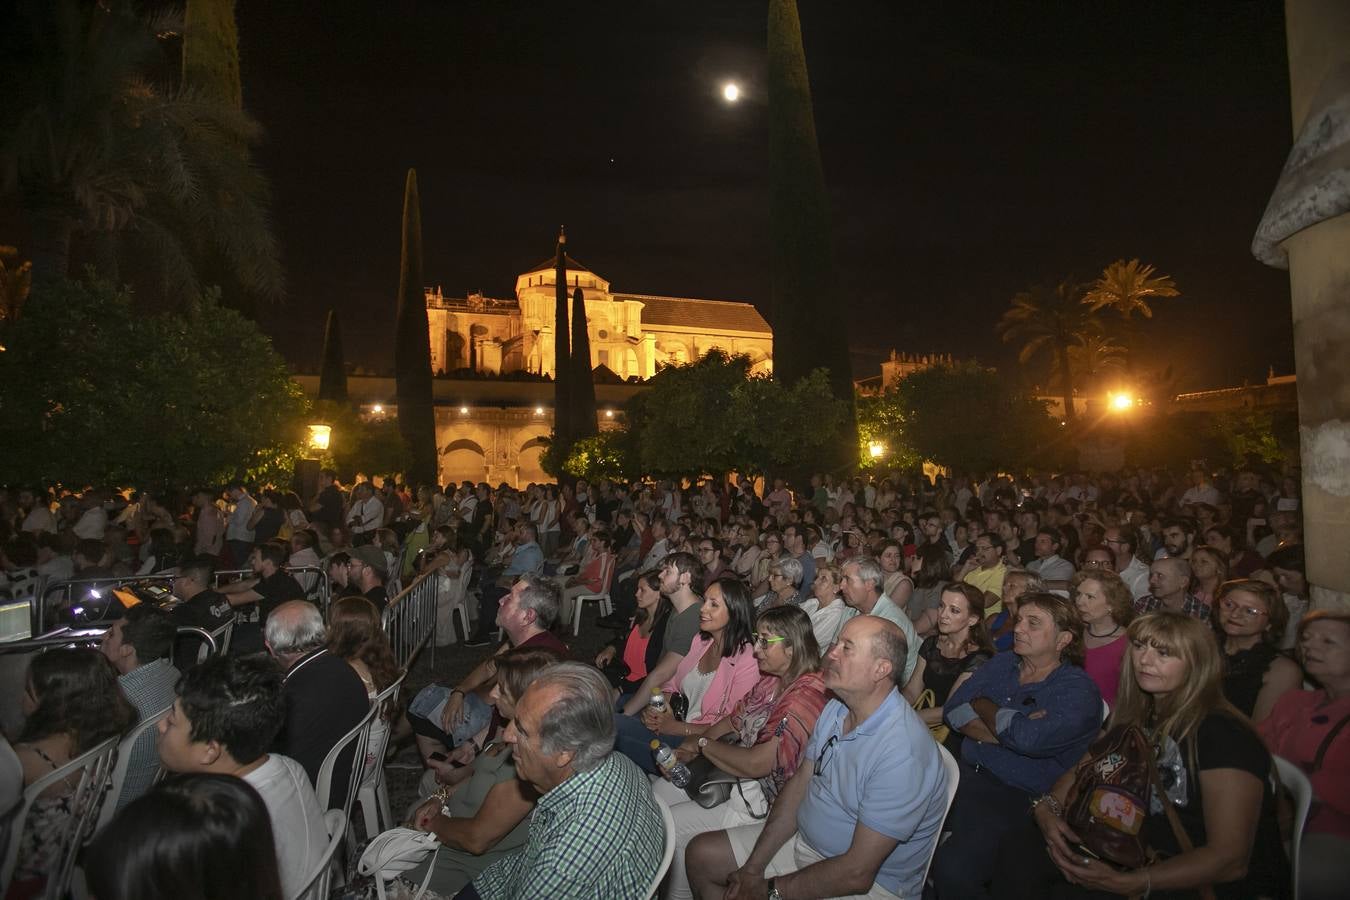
[{"x": 1213, "y": 769}]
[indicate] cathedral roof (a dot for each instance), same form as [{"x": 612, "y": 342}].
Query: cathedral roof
[
  {"x": 712, "y": 315},
  {"x": 552, "y": 263}
]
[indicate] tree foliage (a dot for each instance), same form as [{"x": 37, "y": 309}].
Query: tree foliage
[
  {"x": 582, "y": 388},
  {"x": 712, "y": 416},
  {"x": 333, "y": 373},
  {"x": 1046, "y": 320},
  {"x": 562, "y": 359},
  {"x": 358, "y": 443},
  {"x": 609, "y": 454},
  {"x": 1127, "y": 288},
  {"x": 92, "y": 146},
  {"x": 967, "y": 417},
  {"x": 94, "y": 392},
  {"x": 412, "y": 347}
]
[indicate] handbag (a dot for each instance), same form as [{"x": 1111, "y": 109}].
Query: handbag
[
  {"x": 393, "y": 852},
  {"x": 1109, "y": 801},
  {"x": 928, "y": 700}
]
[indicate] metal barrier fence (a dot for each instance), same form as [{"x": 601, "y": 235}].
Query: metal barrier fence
[
  {"x": 56, "y": 595},
  {"x": 410, "y": 619}
]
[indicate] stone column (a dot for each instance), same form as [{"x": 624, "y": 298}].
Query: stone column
[{"x": 1306, "y": 229}]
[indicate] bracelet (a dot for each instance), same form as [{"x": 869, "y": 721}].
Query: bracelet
[
  {"x": 1051, "y": 801},
  {"x": 454, "y": 691}
]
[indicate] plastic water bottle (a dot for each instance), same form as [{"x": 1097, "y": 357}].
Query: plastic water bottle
[
  {"x": 676, "y": 771},
  {"x": 657, "y": 701}
]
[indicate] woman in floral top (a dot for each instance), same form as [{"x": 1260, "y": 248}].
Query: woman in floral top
[{"x": 770, "y": 726}]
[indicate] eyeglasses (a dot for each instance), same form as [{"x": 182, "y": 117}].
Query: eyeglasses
[
  {"x": 825, "y": 753},
  {"x": 1231, "y": 607},
  {"x": 707, "y": 549},
  {"x": 764, "y": 640}
]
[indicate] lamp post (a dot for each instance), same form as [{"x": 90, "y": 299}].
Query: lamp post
[{"x": 306, "y": 481}]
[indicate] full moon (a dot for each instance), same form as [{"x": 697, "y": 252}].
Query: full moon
[{"x": 731, "y": 92}]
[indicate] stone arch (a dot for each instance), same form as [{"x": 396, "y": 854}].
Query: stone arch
[
  {"x": 529, "y": 465},
  {"x": 462, "y": 460}
]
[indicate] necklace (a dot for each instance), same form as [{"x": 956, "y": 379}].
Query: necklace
[{"x": 1100, "y": 636}]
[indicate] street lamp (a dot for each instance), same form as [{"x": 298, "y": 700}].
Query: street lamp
[
  {"x": 1120, "y": 402},
  {"x": 319, "y": 436},
  {"x": 377, "y": 408},
  {"x": 876, "y": 449}
]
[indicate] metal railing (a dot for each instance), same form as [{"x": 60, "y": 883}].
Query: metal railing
[
  {"x": 410, "y": 619},
  {"x": 55, "y": 595},
  {"x": 91, "y": 636}
]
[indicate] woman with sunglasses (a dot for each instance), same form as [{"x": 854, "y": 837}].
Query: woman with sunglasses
[
  {"x": 1251, "y": 617},
  {"x": 770, "y": 726}
]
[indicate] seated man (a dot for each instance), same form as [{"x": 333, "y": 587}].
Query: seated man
[
  {"x": 444, "y": 719},
  {"x": 228, "y": 711},
  {"x": 138, "y": 645},
  {"x": 528, "y": 559},
  {"x": 325, "y": 698},
  {"x": 366, "y": 573},
  {"x": 255, "y": 598},
  {"x": 844, "y": 824},
  {"x": 201, "y": 607},
  {"x": 596, "y": 831}
]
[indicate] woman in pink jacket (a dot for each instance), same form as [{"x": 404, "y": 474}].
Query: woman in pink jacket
[{"x": 716, "y": 673}]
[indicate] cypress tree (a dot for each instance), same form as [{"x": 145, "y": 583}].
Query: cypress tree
[
  {"x": 583, "y": 379},
  {"x": 333, "y": 375},
  {"x": 412, "y": 348},
  {"x": 808, "y": 331},
  {"x": 562, "y": 400},
  {"x": 211, "y": 51}
]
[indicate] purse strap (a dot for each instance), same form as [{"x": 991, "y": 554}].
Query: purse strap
[
  {"x": 1323, "y": 747},
  {"x": 1183, "y": 839}
]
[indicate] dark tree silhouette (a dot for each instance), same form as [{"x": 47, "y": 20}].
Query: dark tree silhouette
[{"x": 412, "y": 348}]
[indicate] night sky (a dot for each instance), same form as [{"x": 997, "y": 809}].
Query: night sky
[{"x": 970, "y": 150}]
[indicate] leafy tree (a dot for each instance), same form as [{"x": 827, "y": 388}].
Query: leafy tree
[
  {"x": 881, "y": 418},
  {"x": 361, "y": 443},
  {"x": 1127, "y": 287},
  {"x": 1252, "y": 436},
  {"x": 609, "y": 454},
  {"x": 1091, "y": 357},
  {"x": 412, "y": 348},
  {"x": 967, "y": 417},
  {"x": 808, "y": 330},
  {"x": 91, "y": 147},
  {"x": 582, "y": 387},
  {"x": 211, "y": 51},
  {"x": 712, "y": 416},
  {"x": 333, "y": 373},
  {"x": 1045, "y": 320},
  {"x": 93, "y": 391}
]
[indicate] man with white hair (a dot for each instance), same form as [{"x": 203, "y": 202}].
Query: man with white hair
[
  {"x": 596, "y": 831},
  {"x": 1169, "y": 581},
  {"x": 862, "y": 581},
  {"x": 325, "y": 698}
]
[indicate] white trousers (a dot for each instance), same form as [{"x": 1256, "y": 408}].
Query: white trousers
[{"x": 692, "y": 819}]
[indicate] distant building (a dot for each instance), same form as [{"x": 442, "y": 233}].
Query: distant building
[
  {"x": 630, "y": 334},
  {"x": 900, "y": 366}
]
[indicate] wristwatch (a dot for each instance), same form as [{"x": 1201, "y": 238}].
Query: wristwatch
[
  {"x": 702, "y": 742},
  {"x": 773, "y": 891}
]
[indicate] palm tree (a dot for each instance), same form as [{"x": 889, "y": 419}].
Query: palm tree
[
  {"x": 1091, "y": 356},
  {"x": 1126, "y": 287},
  {"x": 1050, "y": 320},
  {"x": 89, "y": 147},
  {"x": 16, "y": 278}
]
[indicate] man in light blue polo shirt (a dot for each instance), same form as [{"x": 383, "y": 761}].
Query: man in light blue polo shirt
[{"x": 861, "y": 815}]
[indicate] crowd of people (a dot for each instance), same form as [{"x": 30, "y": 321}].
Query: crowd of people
[{"x": 824, "y": 666}]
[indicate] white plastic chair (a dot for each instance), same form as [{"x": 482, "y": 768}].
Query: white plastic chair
[
  {"x": 373, "y": 795},
  {"x": 949, "y": 765},
  {"x": 352, "y": 746},
  {"x": 317, "y": 888},
  {"x": 125, "y": 751},
  {"x": 668, "y": 822},
  {"x": 1301, "y": 791},
  {"x": 222, "y": 637},
  {"x": 1106, "y": 712},
  {"x": 87, "y": 776},
  {"x": 606, "y": 607}
]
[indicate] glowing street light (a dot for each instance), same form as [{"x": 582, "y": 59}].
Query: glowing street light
[
  {"x": 731, "y": 92},
  {"x": 876, "y": 449},
  {"x": 538, "y": 410},
  {"x": 609, "y": 414},
  {"x": 377, "y": 409},
  {"x": 1120, "y": 402},
  {"x": 319, "y": 436},
  {"x": 463, "y": 410}
]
